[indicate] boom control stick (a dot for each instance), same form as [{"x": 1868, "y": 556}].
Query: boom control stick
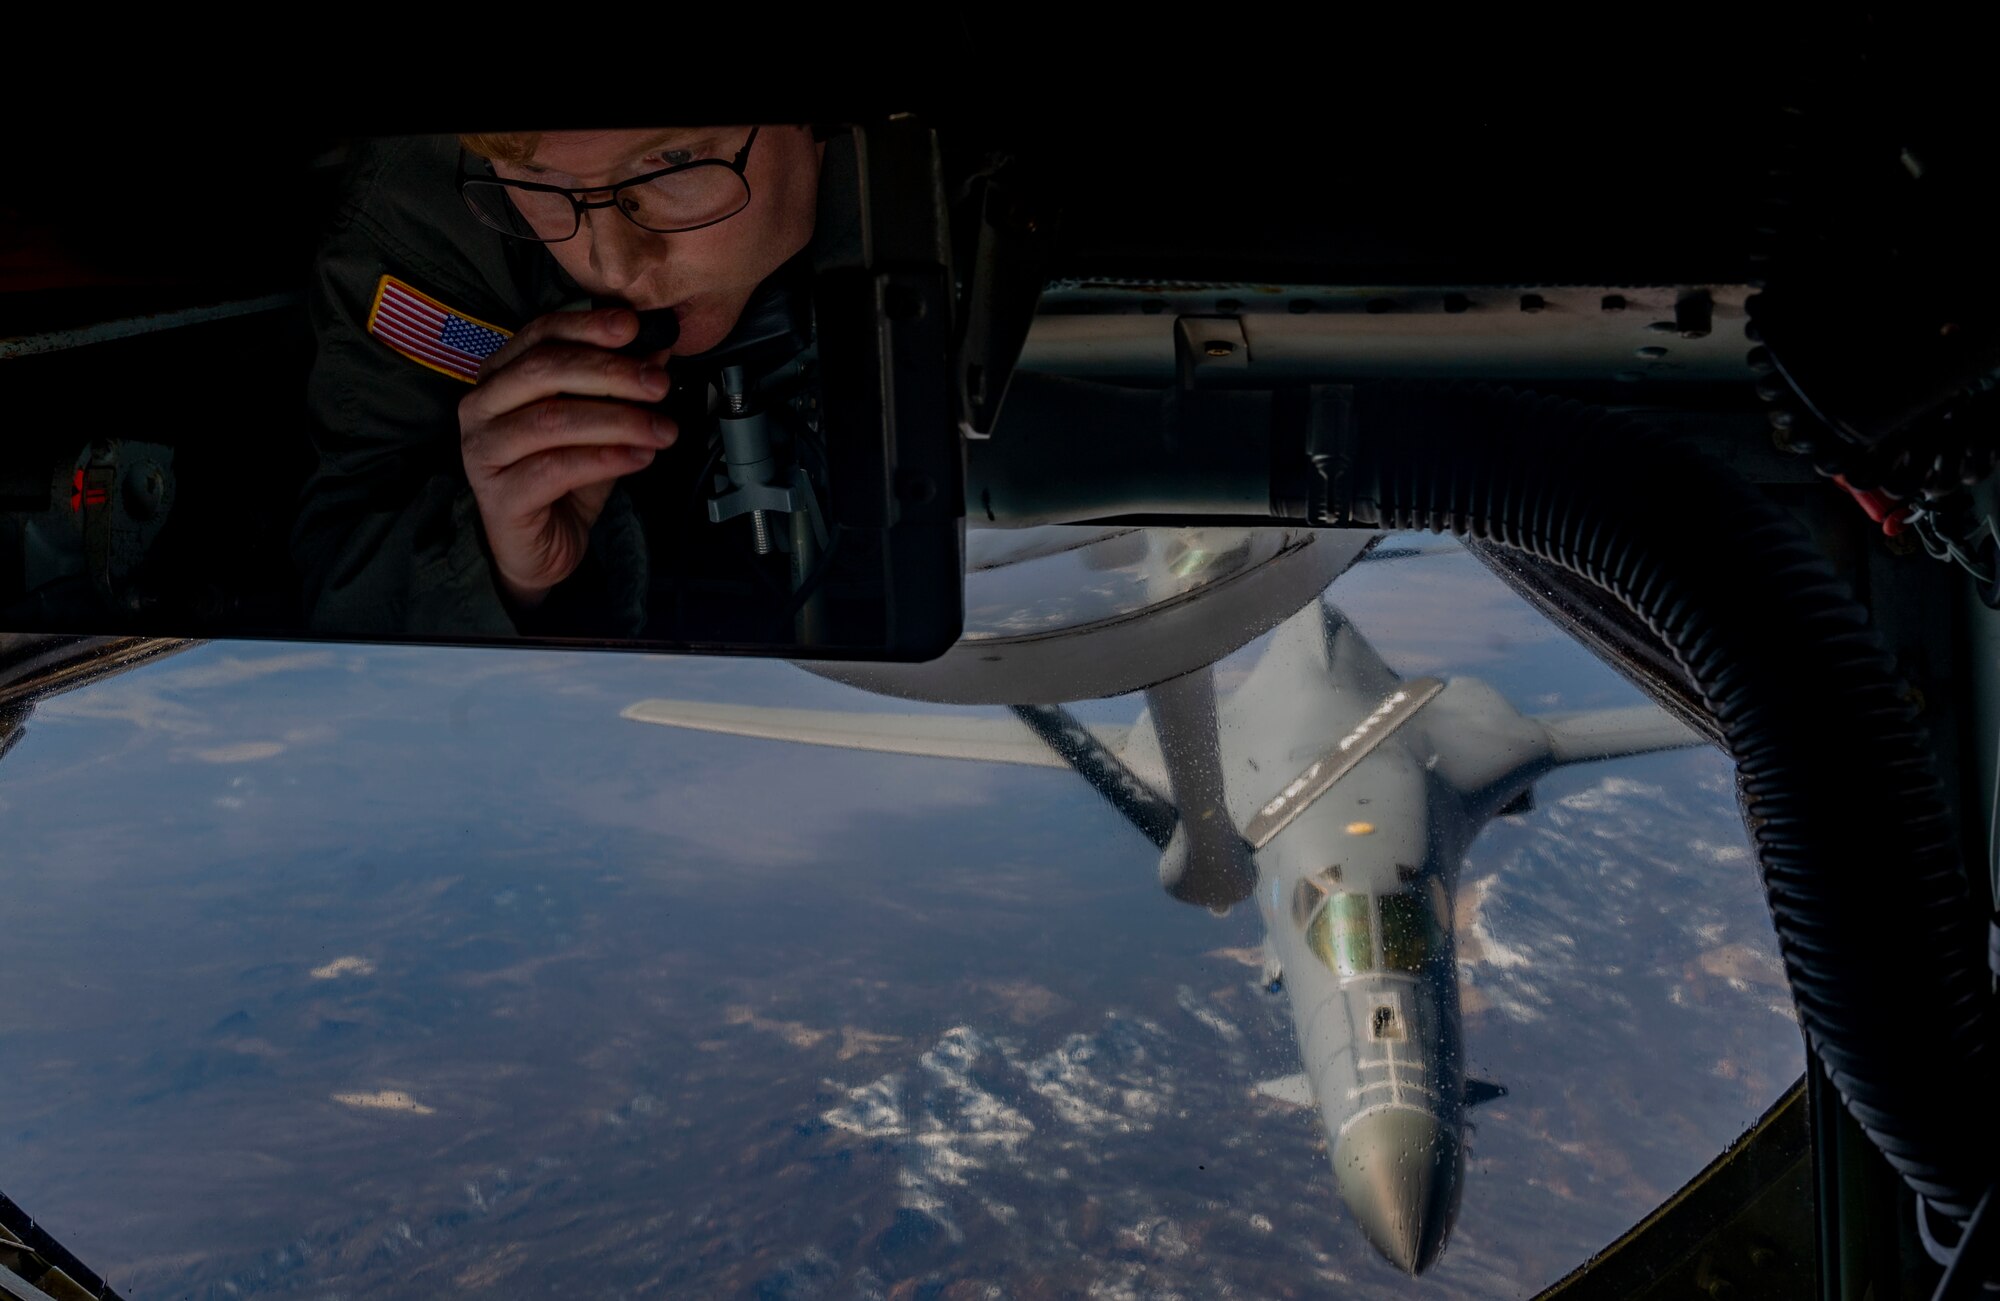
[
  {"x": 765, "y": 480},
  {"x": 751, "y": 462},
  {"x": 763, "y": 376}
]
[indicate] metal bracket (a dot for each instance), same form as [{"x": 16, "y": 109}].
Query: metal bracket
[
  {"x": 752, "y": 496},
  {"x": 792, "y": 498},
  {"x": 1208, "y": 349}
]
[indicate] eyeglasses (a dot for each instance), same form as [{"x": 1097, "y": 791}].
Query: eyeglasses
[{"x": 685, "y": 197}]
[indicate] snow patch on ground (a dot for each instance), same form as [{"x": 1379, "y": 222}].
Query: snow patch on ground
[
  {"x": 963, "y": 1105},
  {"x": 1190, "y": 1002},
  {"x": 1481, "y": 947}
]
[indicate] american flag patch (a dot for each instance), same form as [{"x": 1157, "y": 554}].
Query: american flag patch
[{"x": 431, "y": 334}]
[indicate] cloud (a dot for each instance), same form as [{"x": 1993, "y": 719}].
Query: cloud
[
  {"x": 232, "y": 670},
  {"x": 149, "y": 697},
  {"x": 854, "y": 1042},
  {"x": 1191, "y": 1003},
  {"x": 385, "y": 1100},
  {"x": 1024, "y": 1000},
  {"x": 347, "y": 966},
  {"x": 795, "y": 1033},
  {"x": 240, "y": 752},
  {"x": 1743, "y": 966},
  {"x": 140, "y": 706}
]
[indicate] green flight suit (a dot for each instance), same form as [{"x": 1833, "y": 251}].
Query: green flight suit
[{"x": 388, "y": 538}]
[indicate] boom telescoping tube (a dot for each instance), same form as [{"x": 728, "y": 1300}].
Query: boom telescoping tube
[{"x": 1884, "y": 949}]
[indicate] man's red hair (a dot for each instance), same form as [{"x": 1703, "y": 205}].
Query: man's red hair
[{"x": 505, "y": 147}]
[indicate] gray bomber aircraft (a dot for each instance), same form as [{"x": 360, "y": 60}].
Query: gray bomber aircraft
[{"x": 1339, "y": 796}]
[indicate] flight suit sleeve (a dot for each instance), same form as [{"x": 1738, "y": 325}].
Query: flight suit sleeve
[{"x": 389, "y": 539}]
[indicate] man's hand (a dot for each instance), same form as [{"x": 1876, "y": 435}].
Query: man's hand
[{"x": 551, "y": 425}]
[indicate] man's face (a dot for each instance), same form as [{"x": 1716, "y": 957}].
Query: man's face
[{"x": 708, "y": 275}]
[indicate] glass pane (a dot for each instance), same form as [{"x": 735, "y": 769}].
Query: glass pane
[
  {"x": 1339, "y": 935},
  {"x": 382, "y": 972},
  {"x": 491, "y": 205},
  {"x": 1306, "y": 899},
  {"x": 530, "y": 214},
  {"x": 681, "y": 200},
  {"x": 1409, "y": 932},
  {"x": 1035, "y": 581},
  {"x": 420, "y": 404}
]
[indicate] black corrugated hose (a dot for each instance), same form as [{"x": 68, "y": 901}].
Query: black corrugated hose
[{"x": 1885, "y": 952}]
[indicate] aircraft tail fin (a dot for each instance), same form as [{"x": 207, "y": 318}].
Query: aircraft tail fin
[
  {"x": 1614, "y": 733},
  {"x": 993, "y": 738}
]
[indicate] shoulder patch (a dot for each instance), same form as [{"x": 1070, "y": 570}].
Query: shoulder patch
[{"x": 431, "y": 334}]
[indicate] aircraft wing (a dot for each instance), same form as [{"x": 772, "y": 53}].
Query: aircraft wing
[
  {"x": 1292, "y": 1090},
  {"x": 1612, "y": 733},
  {"x": 937, "y": 736}
]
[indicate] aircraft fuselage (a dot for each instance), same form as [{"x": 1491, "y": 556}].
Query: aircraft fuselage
[{"x": 1355, "y": 889}]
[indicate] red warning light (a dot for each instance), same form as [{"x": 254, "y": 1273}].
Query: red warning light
[{"x": 80, "y": 496}]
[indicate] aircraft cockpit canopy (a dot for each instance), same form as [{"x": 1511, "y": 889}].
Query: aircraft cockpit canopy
[{"x": 1358, "y": 934}]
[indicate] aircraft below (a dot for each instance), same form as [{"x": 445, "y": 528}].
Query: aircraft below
[{"x": 1337, "y": 795}]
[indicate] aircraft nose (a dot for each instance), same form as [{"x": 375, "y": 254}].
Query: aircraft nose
[{"x": 1398, "y": 1173}]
